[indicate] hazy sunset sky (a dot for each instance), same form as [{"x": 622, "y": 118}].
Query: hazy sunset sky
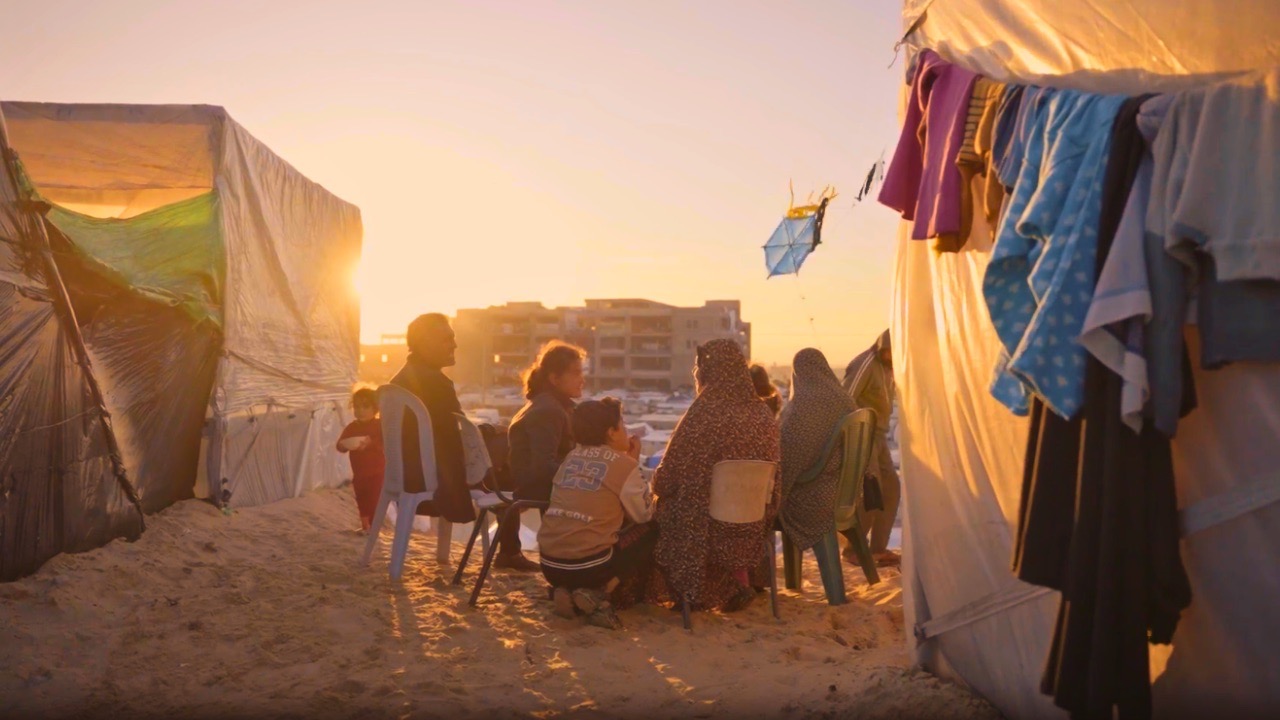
[{"x": 536, "y": 150}]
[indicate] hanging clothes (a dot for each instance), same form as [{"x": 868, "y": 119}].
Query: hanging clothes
[
  {"x": 1098, "y": 517},
  {"x": 923, "y": 182},
  {"x": 1216, "y": 177},
  {"x": 1145, "y": 295},
  {"x": 1115, "y": 329},
  {"x": 1223, "y": 226},
  {"x": 974, "y": 159},
  {"x": 1040, "y": 281},
  {"x": 1007, "y": 114}
]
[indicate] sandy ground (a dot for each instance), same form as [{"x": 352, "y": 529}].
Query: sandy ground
[{"x": 267, "y": 613}]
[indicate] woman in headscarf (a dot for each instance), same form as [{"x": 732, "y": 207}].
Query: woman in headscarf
[
  {"x": 706, "y": 560},
  {"x": 818, "y": 405}
]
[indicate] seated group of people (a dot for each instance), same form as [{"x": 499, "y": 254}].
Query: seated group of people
[{"x": 608, "y": 537}]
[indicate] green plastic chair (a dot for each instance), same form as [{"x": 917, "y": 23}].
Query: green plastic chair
[{"x": 856, "y": 433}]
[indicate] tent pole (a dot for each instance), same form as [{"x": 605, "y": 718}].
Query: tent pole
[{"x": 62, "y": 301}]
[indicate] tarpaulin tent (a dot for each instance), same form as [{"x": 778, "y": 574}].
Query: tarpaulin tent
[
  {"x": 208, "y": 284},
  {"x": 962, "y": 452}
]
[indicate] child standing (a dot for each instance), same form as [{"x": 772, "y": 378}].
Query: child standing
[{"x": 363, "y": 440}]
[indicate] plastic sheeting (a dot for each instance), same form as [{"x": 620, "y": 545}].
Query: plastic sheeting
[
  {"x": 212, "y": 285},
  {"x": 962, "y": 453},
  {"x": 58, "y": 491},
  {"x": 154, "y": 360},
  {"x": 292, "y": 337}
]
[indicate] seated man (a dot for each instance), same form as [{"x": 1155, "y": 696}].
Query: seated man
[
  {"x": 431, "y": 349},
  {"x": 585, "y": 550}
]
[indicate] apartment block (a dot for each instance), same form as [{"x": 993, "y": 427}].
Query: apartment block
[
  {"x": 633, "y": 344},
  {"x": 380, "y": 362}
]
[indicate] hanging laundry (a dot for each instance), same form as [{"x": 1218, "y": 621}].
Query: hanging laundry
[
  {"x": 1135, "y": 324},
  {"x": 1115, "y": 329},
  {"x": 974, "y": 158},
  {"x": 874, "y": 175},
  {"x": 1007, "y": 113},
  {"x": 1216, "y": 177},
  {"x": 1040, "y": 281},
  {"x": 923, "y": 182},
  {"x": 1099, "y": 518}
]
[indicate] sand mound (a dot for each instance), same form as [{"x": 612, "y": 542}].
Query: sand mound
[{"x": 268, "y": 614}]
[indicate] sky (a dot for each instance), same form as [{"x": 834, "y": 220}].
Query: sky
[{"x": 537, "y": 150}]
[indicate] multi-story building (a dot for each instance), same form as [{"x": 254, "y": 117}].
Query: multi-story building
[
  {"x": 379, "y": 363},
  {"x": 633, "y": 344}
]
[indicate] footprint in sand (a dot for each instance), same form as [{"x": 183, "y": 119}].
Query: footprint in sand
[{"x": 351, "y": 688}]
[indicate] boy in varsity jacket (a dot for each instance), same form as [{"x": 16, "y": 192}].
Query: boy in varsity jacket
[{"x": 586, "y": 543}]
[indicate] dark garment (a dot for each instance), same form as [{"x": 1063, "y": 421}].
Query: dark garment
[
  {"x": 1239, "y": 321},
  {"x": 1098, "y": 519},
  {"x": 435, "y": 390},
  {"x": 498, "y": 445},
  {"x": 1045, "y": 511},
  {"x": 1006, "y": 124},
  {"x": 628, "y": 560},
  {"x": 541, "y": 436}
]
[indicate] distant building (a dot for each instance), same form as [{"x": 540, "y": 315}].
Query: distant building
[
  {"x": 632, "y": 344},
  {"x": 380, "y": 362}
]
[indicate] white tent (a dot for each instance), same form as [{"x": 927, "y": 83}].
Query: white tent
[
  {"x": 962, "y": 452},
  {"x": 180, "y": 206}
]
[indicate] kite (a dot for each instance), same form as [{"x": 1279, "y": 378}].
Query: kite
[{"x": 799, "y": 233}]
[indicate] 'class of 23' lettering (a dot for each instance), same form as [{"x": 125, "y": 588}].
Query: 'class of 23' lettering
[{"x": 582, "y": 474}]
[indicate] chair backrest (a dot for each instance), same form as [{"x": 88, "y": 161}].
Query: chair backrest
[
  {"x": 475, "y": 450},
  {"x": 393, "y": 402},
  {"x": 859, "y": 433},
  {"x": 740, "y": 490}
]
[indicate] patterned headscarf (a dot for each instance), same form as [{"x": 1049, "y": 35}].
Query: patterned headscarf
[
  {"x": 727, "y": 421},
  {"x": 818, "y": 404}
]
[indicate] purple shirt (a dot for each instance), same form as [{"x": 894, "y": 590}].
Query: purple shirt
[{"x": 923, "y": 182}]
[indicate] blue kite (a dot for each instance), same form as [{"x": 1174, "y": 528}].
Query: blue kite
[{"x": 799, "y": 233}]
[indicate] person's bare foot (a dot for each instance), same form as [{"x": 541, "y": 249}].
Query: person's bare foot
[{"x": 888, "y": 558}]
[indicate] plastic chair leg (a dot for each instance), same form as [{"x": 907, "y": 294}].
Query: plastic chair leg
[
  {"x": 379, "y": 517},
  {"x": 471, "y": 543},
  {"x": 773, "y": 575},
  {"x": 868, "y": 563},
  {"x": 828, "y": 554},
  {"x": 684, "y": 612},
  {"x": 503, "y": 518},
  {"x": 485, "y": 540},
  {"x": 405, "y": 515},
  {"x": 792, "y": 563}
]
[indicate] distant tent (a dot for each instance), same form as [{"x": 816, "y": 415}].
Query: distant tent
[
  {"x": 163, "y": 261},
  {"x": 962, "y": 452}
]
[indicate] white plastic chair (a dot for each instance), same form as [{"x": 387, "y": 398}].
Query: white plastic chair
[
  {"x": 740, "y": 493},
  {"x": 392, "y": 403},
  {"x": 478, "y": 466}
]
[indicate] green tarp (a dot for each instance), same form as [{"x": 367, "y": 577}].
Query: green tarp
[{"x": 173, "y": 255}]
